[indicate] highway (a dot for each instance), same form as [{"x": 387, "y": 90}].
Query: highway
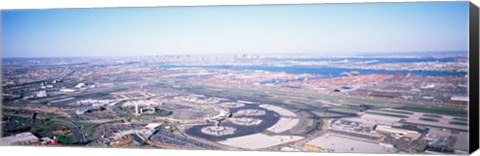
[{"x": 78, "y": 133}]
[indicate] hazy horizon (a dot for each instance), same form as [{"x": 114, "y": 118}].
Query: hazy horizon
[
  {"x": 343, "y": 29},
  {"x": 290, "y": 55}
]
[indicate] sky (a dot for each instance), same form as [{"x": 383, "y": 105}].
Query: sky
[{"x": 269, "y": 29}]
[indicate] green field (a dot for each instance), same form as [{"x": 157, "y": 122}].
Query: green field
[
  {"x": 326, "y": 114},
  {"x": 432, "y": 115},
  {"x": 344, "y": 110},
  {"x": 429, "y": 119},
  {"x": 398, "y": 112},
  {"x": 20, "y": 120},
  {"x": 89, "y": 128},
  {"x": 458, "y": 123},
  {"x": 386, "y": 114},
  {"x": 45, "y": 127},
  {"x": 65, "y": 139},
  {"x": 7, "y": 110},
  {"x": 460, "y": 119},
  {"x": 311, "y": 122},
  {"x": 163, "y": 112},
  {"x": 442, "y": 111}
]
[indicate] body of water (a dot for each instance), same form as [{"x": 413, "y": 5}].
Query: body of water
[
  {"x": 368, "y": 60},
  {"x": 325, "y": 72}
]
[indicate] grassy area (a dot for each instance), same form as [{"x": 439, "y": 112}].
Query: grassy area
[
  {"x": 460, "y": 119},
  {"x": 442, "y": 111},
  {"x": 296, "y": 105},
  {"x": 46, "y": 127},
  {"x": 398, "y": 112},
  {"x": 432, "y": 115},
  {"x": 326, "y": 114},
  {"x": 339, "y": 100},
  {"x": 429, "y": 119},
  {"x": 22, "y": 127},
  {"x": 386, "y": 114},
  {"x": 458, "y": 123},
  {"x": 65, "y": 139},
  {"x": 20, "y": 120},
  {"x": 344, "y": 110},
  {"x": 163, "y": 112},
  {"x": 89, "y": 128},
  {"x": 311, "y": 122},
  {"x": 7, "y": 110}
]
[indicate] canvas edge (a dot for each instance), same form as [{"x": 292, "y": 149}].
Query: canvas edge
[{"x": 473, "y": 77}]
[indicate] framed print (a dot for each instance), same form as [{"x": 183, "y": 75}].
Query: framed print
[{"x": 344, "y": 78}]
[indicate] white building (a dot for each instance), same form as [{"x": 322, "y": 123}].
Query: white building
[
  {"x": 41, "y": 94},
  {"x": 80, "y": 85},
  {"x": 67, "y": 90},
  {"x": 398, "y": 132}
]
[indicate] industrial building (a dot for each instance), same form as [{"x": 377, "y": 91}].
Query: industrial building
[{"x": 398, "y": 132}]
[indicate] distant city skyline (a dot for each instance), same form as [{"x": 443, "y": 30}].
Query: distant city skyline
[{"x": 286, "y": 29}]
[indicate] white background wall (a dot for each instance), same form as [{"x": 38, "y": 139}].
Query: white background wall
[{"x": 72, "y": 151}]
